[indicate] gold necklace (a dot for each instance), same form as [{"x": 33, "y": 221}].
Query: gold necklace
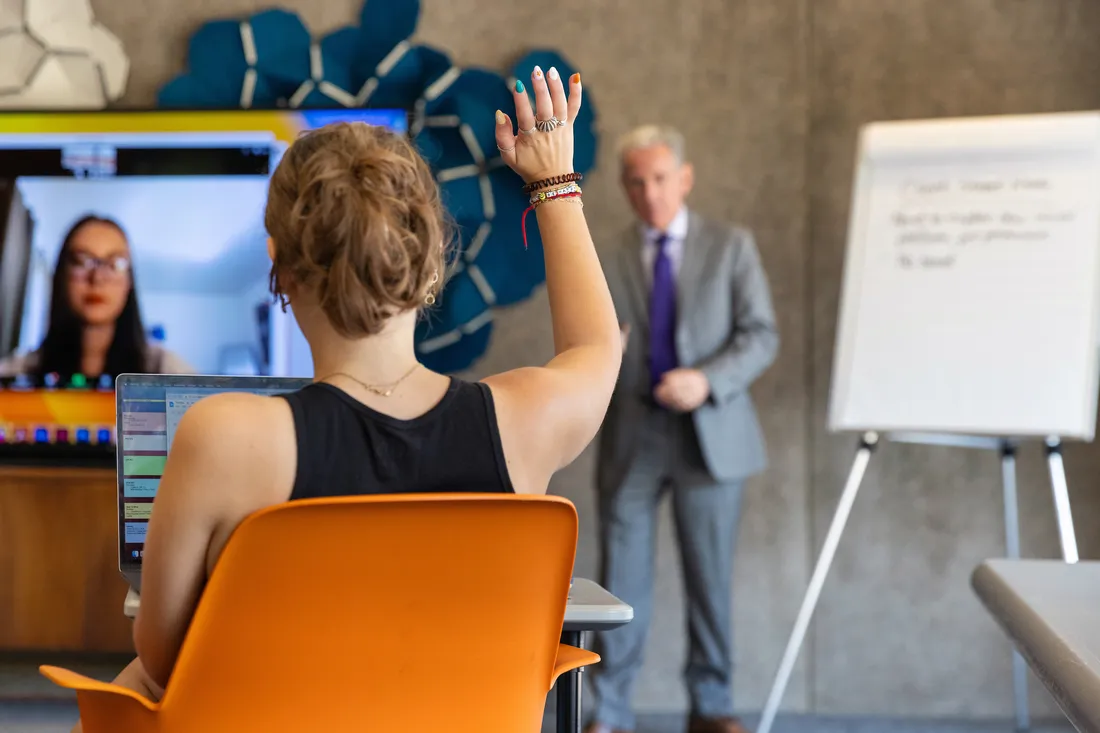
[{"x": 382, "y": 390}]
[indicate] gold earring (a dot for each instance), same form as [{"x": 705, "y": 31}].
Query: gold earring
[{"x": 429, "y": 299}]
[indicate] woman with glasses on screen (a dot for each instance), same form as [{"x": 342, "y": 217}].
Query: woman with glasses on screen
[
  {"x": 358, "y": 249},
  {"x": 95, "y": 323}
]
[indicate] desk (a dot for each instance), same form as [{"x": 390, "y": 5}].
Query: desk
[
  {"x": 1050, "y": 611},
  {"x": 590, "y": 608}
]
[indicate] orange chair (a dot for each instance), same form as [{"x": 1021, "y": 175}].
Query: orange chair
[{"x": 391, "y": 614}]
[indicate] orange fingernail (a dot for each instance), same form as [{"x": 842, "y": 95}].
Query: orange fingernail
[
  {"x": 576, "y": 78},
  {"x": 538, "y": 72}
]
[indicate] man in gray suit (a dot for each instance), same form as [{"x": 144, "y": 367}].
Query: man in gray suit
[{"x": 698, "y": 329}]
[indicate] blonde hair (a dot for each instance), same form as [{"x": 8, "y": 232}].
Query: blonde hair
[{"x": 648, "y": 136}]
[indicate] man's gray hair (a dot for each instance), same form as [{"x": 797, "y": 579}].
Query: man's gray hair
[{"x": 648, "y": 136}]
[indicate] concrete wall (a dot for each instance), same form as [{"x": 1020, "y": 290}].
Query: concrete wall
[{"x": 770, "y": 94}]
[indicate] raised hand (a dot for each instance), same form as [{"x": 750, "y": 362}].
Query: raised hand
[{"x": 543, "y": 147}]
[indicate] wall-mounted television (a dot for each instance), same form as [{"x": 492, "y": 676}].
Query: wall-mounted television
[{"x": 134, "y": 242}]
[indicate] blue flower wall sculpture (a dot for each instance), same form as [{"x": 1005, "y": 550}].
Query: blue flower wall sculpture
[{"x": 272, "y": 61}]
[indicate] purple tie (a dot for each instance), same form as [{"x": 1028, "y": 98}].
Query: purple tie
[{"x": 662, "y": 315}]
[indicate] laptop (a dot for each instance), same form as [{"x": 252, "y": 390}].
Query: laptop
[{"x": 148, "y": 407}]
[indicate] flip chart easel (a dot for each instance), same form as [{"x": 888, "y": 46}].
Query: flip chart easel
[
  {"x": 867, "y": 446},
  {"x": 970, "y": 310}
]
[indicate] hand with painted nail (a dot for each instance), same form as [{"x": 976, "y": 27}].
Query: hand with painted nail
[{"x": 543, "y": 146}]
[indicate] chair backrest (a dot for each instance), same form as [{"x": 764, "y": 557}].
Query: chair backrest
[{"x": 382, "y": 613}]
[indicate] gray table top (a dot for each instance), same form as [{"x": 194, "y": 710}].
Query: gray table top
[
  {"x": 590, "y": 608},
  {"x": 1051, "y": 611}
]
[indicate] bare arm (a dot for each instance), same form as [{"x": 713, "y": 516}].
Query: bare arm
[
  {"x": 223, "y": 440},
  {"x": 548, "y": 415}
]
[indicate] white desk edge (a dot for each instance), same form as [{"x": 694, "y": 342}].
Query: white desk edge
[{"x": 588, "y": 603}]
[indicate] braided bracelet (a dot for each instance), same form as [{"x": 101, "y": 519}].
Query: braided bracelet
[{"x": 554, "y": 181}]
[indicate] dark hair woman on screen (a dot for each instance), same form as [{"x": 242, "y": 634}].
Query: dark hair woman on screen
[
  {"x": 95, "y": 325},
  {"x": 358, "y": 249}
]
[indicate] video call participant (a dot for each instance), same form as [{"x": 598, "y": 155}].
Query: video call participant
[
  {"x": 357, "y": 244},
  {"x": 95, "y": 325}
]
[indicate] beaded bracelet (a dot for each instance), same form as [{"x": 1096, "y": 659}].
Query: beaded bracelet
[
  {"x": 554, "y": 181},
  {"x": 572, "y": 192},
  {"x": 540, "y": 196}
]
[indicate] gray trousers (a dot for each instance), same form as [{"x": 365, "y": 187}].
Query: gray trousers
[{"x": 668, "y": 460}]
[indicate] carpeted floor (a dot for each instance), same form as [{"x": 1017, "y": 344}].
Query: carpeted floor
[
  {"x": 31, "y": 704},
  {"x": 20, "y": 680},
  {"x": 58, "y": 717}
]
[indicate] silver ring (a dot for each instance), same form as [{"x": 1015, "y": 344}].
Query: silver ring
[
  {"x": 547, "y": 125},
  {"x": 506, "y": 150},
  {"x": 528, "y": 132}
]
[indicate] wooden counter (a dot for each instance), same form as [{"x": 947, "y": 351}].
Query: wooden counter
[{"x": 60, "y": 588}]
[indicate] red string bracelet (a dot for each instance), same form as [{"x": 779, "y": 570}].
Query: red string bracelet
[{"x": 529, "y": 209}]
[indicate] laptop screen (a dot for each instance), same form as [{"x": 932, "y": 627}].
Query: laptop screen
[{"x": 149, "y": 409}]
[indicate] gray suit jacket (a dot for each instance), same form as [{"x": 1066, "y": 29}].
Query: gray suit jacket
[{"x": 725, "y": 327}]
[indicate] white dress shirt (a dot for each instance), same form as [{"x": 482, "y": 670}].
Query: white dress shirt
[{"x": 676, "y": 232}]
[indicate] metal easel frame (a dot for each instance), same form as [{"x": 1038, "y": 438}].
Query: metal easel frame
[{"x": 867, "y": 444}]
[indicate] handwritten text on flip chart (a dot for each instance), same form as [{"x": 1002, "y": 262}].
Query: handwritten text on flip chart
[{"x": 939, "y": 220}]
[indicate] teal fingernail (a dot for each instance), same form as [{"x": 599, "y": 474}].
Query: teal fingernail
[{"x": 519, "y": 87}]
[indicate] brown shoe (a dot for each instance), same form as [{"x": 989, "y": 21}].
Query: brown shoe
[
  {"x": 601, "y": 728},
  {"x": 715, "y": 725}
]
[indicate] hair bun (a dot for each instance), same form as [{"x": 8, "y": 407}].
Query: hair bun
[
  {"x": 360, "y": 170},
  {"x": 356, "y": 218}
]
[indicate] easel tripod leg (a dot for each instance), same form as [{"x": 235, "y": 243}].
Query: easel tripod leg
[
  {"x": 1060, "y": 489},
  {"x": 1012, "y": 551},
  {"x": 817, "y": 580}
]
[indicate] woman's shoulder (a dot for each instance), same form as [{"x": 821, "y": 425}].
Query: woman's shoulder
[
  {"x": 222, "y": 431},
  {"x": 241, "y": 407},
  {"x": 159, "y": 360}
]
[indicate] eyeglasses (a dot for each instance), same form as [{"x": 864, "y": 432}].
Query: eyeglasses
[{"x": 83, "y": 265}]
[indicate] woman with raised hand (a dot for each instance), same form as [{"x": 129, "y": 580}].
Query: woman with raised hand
[{"x": 357, "y": 242}]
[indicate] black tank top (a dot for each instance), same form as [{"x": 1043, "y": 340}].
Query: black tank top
[{"x": 345, "y": 448}]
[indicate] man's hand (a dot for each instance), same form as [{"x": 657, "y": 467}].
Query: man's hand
[{"x": 682, "y": 390}]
